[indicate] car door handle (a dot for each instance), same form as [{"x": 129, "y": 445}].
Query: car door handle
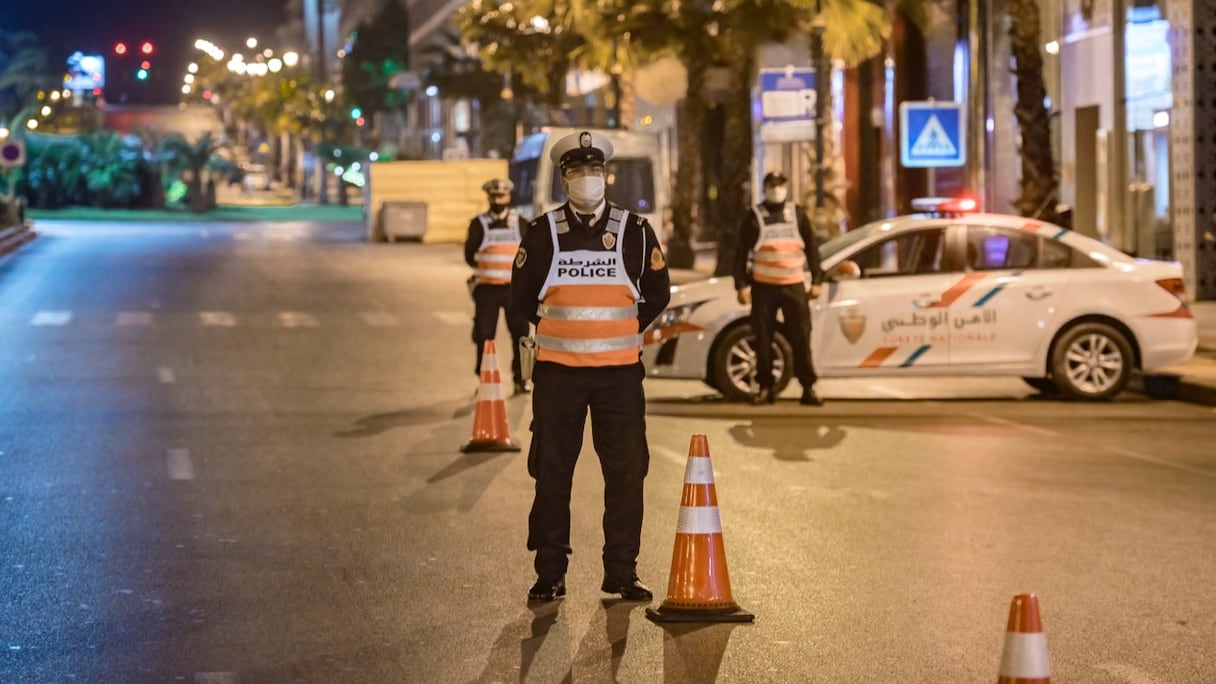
[{"x": 1038, "y": 293}]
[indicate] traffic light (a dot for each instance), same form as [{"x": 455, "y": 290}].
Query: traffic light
[
  {"x": 142, "y": 74},
  {"x": 120, "y": 49},
  {"x": 356, "y": 113},
  {"x": 146, "y": 47}
]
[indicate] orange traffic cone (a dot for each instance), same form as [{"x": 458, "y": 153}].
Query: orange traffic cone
[
  {"x": 1024, "y": 660},
  {"x": 699, "y": 586},
  {"x": 490, "y": 431}
]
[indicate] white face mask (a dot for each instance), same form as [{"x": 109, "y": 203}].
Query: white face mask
[
  {"x": 775, "y": 195},
  {"x": 587, "y": 191}
]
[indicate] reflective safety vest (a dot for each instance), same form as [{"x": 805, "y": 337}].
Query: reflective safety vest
[
  {"x": 588, "y": 305},
  {"x": 780, "y": 255},
  {"x": 497, "y": 250}
]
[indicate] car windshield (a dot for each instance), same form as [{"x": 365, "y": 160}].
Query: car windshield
[
  {"x": 840, "y": 242},
  {"x": 522, "y": 173}
]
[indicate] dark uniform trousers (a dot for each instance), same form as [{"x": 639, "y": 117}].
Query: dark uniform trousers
[
  {"x": 767, "y": 299},
  {"x": 562, "y": 397},
  {"x": 487, "y": 300}
]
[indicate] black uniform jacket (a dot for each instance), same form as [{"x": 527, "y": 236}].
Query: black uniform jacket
[
  {"x": 749, "y": 234},
  {"x": 477, "y": 232},
  {"x": 644, "y": 261}
]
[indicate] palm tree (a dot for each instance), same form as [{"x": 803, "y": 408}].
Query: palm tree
[
  {"x": 190, "y": 160},
  {"x": 1039, "y": 177},
  {"x": 24, "y": 70}
]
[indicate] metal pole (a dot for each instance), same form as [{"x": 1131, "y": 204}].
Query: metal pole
[
  {"x": 822, "y": 92},
  {"x": 977, "y": 95}
]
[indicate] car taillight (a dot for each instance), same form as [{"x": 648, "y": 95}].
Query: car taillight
[{"x": 1174, "y": 286}]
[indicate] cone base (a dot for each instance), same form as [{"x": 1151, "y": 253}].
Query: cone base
[
  {"x": 667, "y": 615},
  {"x": 472, "y": 446}
]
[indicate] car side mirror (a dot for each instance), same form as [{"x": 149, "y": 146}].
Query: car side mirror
[{"x": 845, "y": 270}]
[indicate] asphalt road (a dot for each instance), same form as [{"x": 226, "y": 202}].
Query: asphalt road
[{"x": 229, "y": 453}]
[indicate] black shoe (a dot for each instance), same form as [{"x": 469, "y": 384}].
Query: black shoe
[
  {"x": 764, "y": 396},
  {"x": 630, "y": 588},
  {"x": 809, "y": 398},
  {"x": 521, "y": 387},
  {"x": 547, "y": 589}
]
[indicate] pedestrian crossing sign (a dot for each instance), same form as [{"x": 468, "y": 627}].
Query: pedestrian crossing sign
[{"x": 931, "y": 134}]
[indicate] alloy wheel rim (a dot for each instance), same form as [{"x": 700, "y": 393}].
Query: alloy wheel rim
[{"x": 1094, "y": 363}]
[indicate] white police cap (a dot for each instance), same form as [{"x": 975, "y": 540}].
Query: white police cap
[
  {"x": 581, "y": 148},
  {"x": 498, "y": 186}
]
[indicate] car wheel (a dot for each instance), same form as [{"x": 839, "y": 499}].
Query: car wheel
[
  {"x": 1043, "y": 385},
  {"x": 1091, "y": 361},
  {"x": 732, "y": 364}
]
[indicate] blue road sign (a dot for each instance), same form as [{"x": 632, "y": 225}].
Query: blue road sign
[
  {"x": 931, "y": 134},
  {"x": 787, "y": 104}
]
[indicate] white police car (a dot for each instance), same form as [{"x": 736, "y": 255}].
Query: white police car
[{"x": 950, "y": 293}]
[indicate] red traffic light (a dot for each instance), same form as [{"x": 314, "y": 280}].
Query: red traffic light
[
  {"x": 146, "y": 48},
  {"x": 120, "y": 48},
  {"x": 145, "y": 64}
]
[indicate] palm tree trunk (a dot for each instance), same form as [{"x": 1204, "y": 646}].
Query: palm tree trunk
[
  {"x": 734, "y": 196},
  {"x": 1039, "y": 178},
  {"x": 686, "y": 195}
]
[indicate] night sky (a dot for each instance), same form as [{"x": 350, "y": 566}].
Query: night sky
[{"x": 94, "y": 26}]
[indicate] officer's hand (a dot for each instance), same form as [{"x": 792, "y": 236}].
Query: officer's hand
[
  {"x": 744, "y": 295},
  {"x": 813, "y": 293}
]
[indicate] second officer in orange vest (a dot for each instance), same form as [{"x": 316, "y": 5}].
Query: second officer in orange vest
[
  {"x": 591, "y": 276},
  {"x": 494, "y": 236},
  {"x": 777, "y": 243}
]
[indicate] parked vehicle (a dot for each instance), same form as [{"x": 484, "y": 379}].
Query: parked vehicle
[
  {"x": 949, "y": 293},
  {"x": 636, "y": 175}
]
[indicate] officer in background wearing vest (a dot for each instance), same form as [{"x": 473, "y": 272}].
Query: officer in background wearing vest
[
  {"x": 777, "y": 242},
  {"x": 494, "y": 236},
  {"x": 591, "y": 276}
]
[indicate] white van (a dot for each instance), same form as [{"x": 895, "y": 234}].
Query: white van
[{"x": 636, "y": 175}]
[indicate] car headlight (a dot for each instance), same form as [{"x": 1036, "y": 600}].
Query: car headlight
[{"x": 672, "y": 323}]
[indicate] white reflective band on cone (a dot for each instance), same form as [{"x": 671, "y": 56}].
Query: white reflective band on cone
[
  {"x": 1025, "y": 656},
  {"x": 489, "y": 361},
  {"x": 699, "y": 520},
  {"x": 490, "y": 392},
  {"x": 699, "y": 471}
]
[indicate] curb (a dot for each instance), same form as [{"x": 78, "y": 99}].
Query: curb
[
  {"x": 1173, "y": 386},
  {"x": 12, "y": 237}
]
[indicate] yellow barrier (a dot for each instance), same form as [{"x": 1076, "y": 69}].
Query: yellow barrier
[{"x": 451, "y": 191}]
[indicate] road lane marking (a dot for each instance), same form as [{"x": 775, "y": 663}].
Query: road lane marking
[
  {"x": 889, "y": 392},
  {"x": 1112, "y": 449},
  {"x": 133, "y": 318},
  {"x": 180, "y": 465},
  {"x": 165, "y": 375},
  {"x": 51, "y": 318},
  {"x": 222, "y": 319},
  {"x": 378, "y": 319},
  {"x": 453, "y": 317},
  {"x": 1128, "y": 673},
  {"x": 215, "y": 678},
  {"x": 1014, "y": 424},
  {"x": 296, "y": 319},
  {"x": 1159, "y": 461}
]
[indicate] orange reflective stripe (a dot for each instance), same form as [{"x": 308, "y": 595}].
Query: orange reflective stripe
[
  {"x": 494, "y": 263},
  {"x": 588, "y": 296}
]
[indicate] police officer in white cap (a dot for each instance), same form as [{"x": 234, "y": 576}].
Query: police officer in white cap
[
  {"x": 591, "y": 276},
  {"x": 493, "y": 238},
  {"x": 777, "y": 243}
]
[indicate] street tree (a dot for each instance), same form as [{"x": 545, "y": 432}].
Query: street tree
[
  {"x": 380, "y": 50},
  {"x": 1040, "y": 179},
  {"x": 24, "y": 71}
]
